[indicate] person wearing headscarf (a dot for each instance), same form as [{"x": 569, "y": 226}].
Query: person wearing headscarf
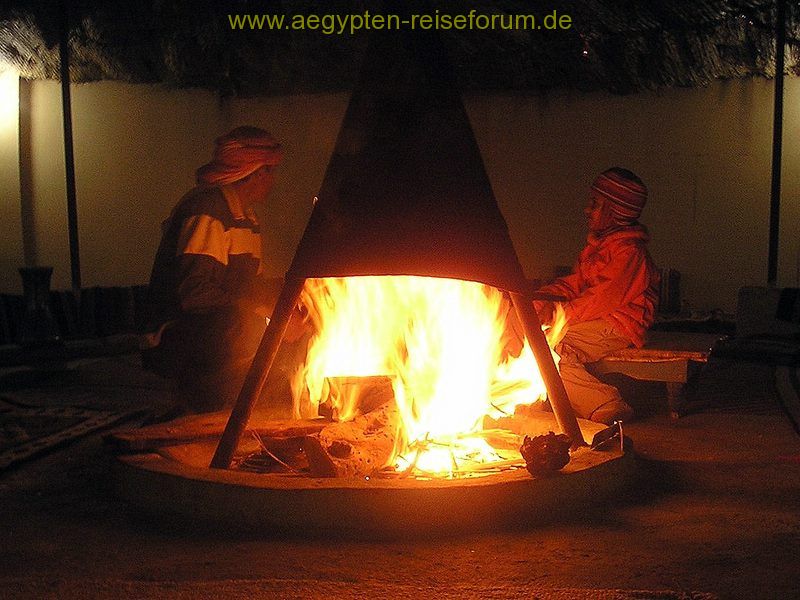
[
  {"x": 209, "y": 301},
  {"x": 610, "y": 299}
]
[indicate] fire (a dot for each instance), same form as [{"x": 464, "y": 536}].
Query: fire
[{"x": 440, "y": 341}]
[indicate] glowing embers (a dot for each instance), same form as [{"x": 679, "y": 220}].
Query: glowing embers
[{"x": 432, "y": 357}]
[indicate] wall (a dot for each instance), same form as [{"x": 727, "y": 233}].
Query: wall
[
  {"x": 704, "y": 153},
  {"x": 136, "y": 150}
]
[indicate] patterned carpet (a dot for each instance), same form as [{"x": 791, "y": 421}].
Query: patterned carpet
[{"x": 28, "y": 431}]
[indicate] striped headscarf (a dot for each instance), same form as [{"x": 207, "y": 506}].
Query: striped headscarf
[
  {"x": 625, "y": 192},
  {"x": 239, "y": 153}
]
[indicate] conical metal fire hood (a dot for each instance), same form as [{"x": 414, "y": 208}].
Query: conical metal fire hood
[{"x": 406, "y": 192}]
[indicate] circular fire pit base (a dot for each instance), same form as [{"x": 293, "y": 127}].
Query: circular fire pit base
[{"x": 169, "y": 484}]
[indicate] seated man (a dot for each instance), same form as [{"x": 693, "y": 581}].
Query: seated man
[
  {"x": 611, "y": 296},
  {"x": 208, "y": 298}
]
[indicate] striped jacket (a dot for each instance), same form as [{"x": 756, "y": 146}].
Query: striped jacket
[{"x": 209, "y": 256}]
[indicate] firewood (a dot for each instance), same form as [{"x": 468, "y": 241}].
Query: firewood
[
  {"x": 354, "y": 448},
  {"x": 365, "y": 394}
]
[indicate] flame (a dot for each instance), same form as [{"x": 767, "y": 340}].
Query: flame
[{"x": 443, "y": 344}]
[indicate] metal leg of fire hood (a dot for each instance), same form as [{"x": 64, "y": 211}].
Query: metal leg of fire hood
[
  {"x": 565, "y": 416},
  {"x": 257, "y": 375}
]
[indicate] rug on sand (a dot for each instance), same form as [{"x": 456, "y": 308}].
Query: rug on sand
[{"x": 28, "y": 431}]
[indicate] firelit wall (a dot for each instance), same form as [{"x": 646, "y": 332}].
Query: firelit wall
[
  {"x": 136, "y": 150},
  {"x": 704, "y": 153}
]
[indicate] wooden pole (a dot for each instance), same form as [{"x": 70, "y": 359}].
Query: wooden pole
[
  {"x": 26, "y": 194},
  {"x": 257, "y": 375},
  {"x": 777, "y": 145},
  {"x": 69, "y": 155},
  {"x": 565, "y": 416}
]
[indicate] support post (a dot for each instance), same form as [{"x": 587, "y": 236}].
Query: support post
[
  {"x": 777, "y": 145},
  {"x": 69, "y": 155},
  {"x": 565, "y": 416},
  {"x": 26, "y": 193},
  {"x": 257, "y": 375}
]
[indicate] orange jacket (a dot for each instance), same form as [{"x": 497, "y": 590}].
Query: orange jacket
[{"x": 614, "y": 279}]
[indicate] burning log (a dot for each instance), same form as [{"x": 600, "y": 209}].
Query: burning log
[
  {"x": 354, "y": 448},
  {"x": 355, "y": 395},
  {"x": 545, "y": 454}
]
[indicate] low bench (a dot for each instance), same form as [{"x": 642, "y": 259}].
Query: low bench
[{"x": 669, "y": 356}]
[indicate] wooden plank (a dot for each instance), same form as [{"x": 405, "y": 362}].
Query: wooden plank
[
  {"x": 664, "y": 346},
  {"x": 642, "y": 355},
  {"x": 672, "y": 370}
]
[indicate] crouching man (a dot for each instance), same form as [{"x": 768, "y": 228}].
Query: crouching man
[{"x": 208, "y": 298}]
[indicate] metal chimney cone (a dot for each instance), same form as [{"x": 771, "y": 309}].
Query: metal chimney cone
[{"x": 405, "y": 193}]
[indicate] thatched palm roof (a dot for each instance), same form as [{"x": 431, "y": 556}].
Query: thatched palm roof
[{"x": 619, "y": 45}]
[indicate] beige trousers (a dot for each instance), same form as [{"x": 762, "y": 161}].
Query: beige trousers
[{"x": 583, "y": 343}]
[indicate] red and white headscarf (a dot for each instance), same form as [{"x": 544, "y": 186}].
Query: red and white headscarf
[
  {"x": 625, "y": 193},
  {"x": 239, "y": 153}
]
